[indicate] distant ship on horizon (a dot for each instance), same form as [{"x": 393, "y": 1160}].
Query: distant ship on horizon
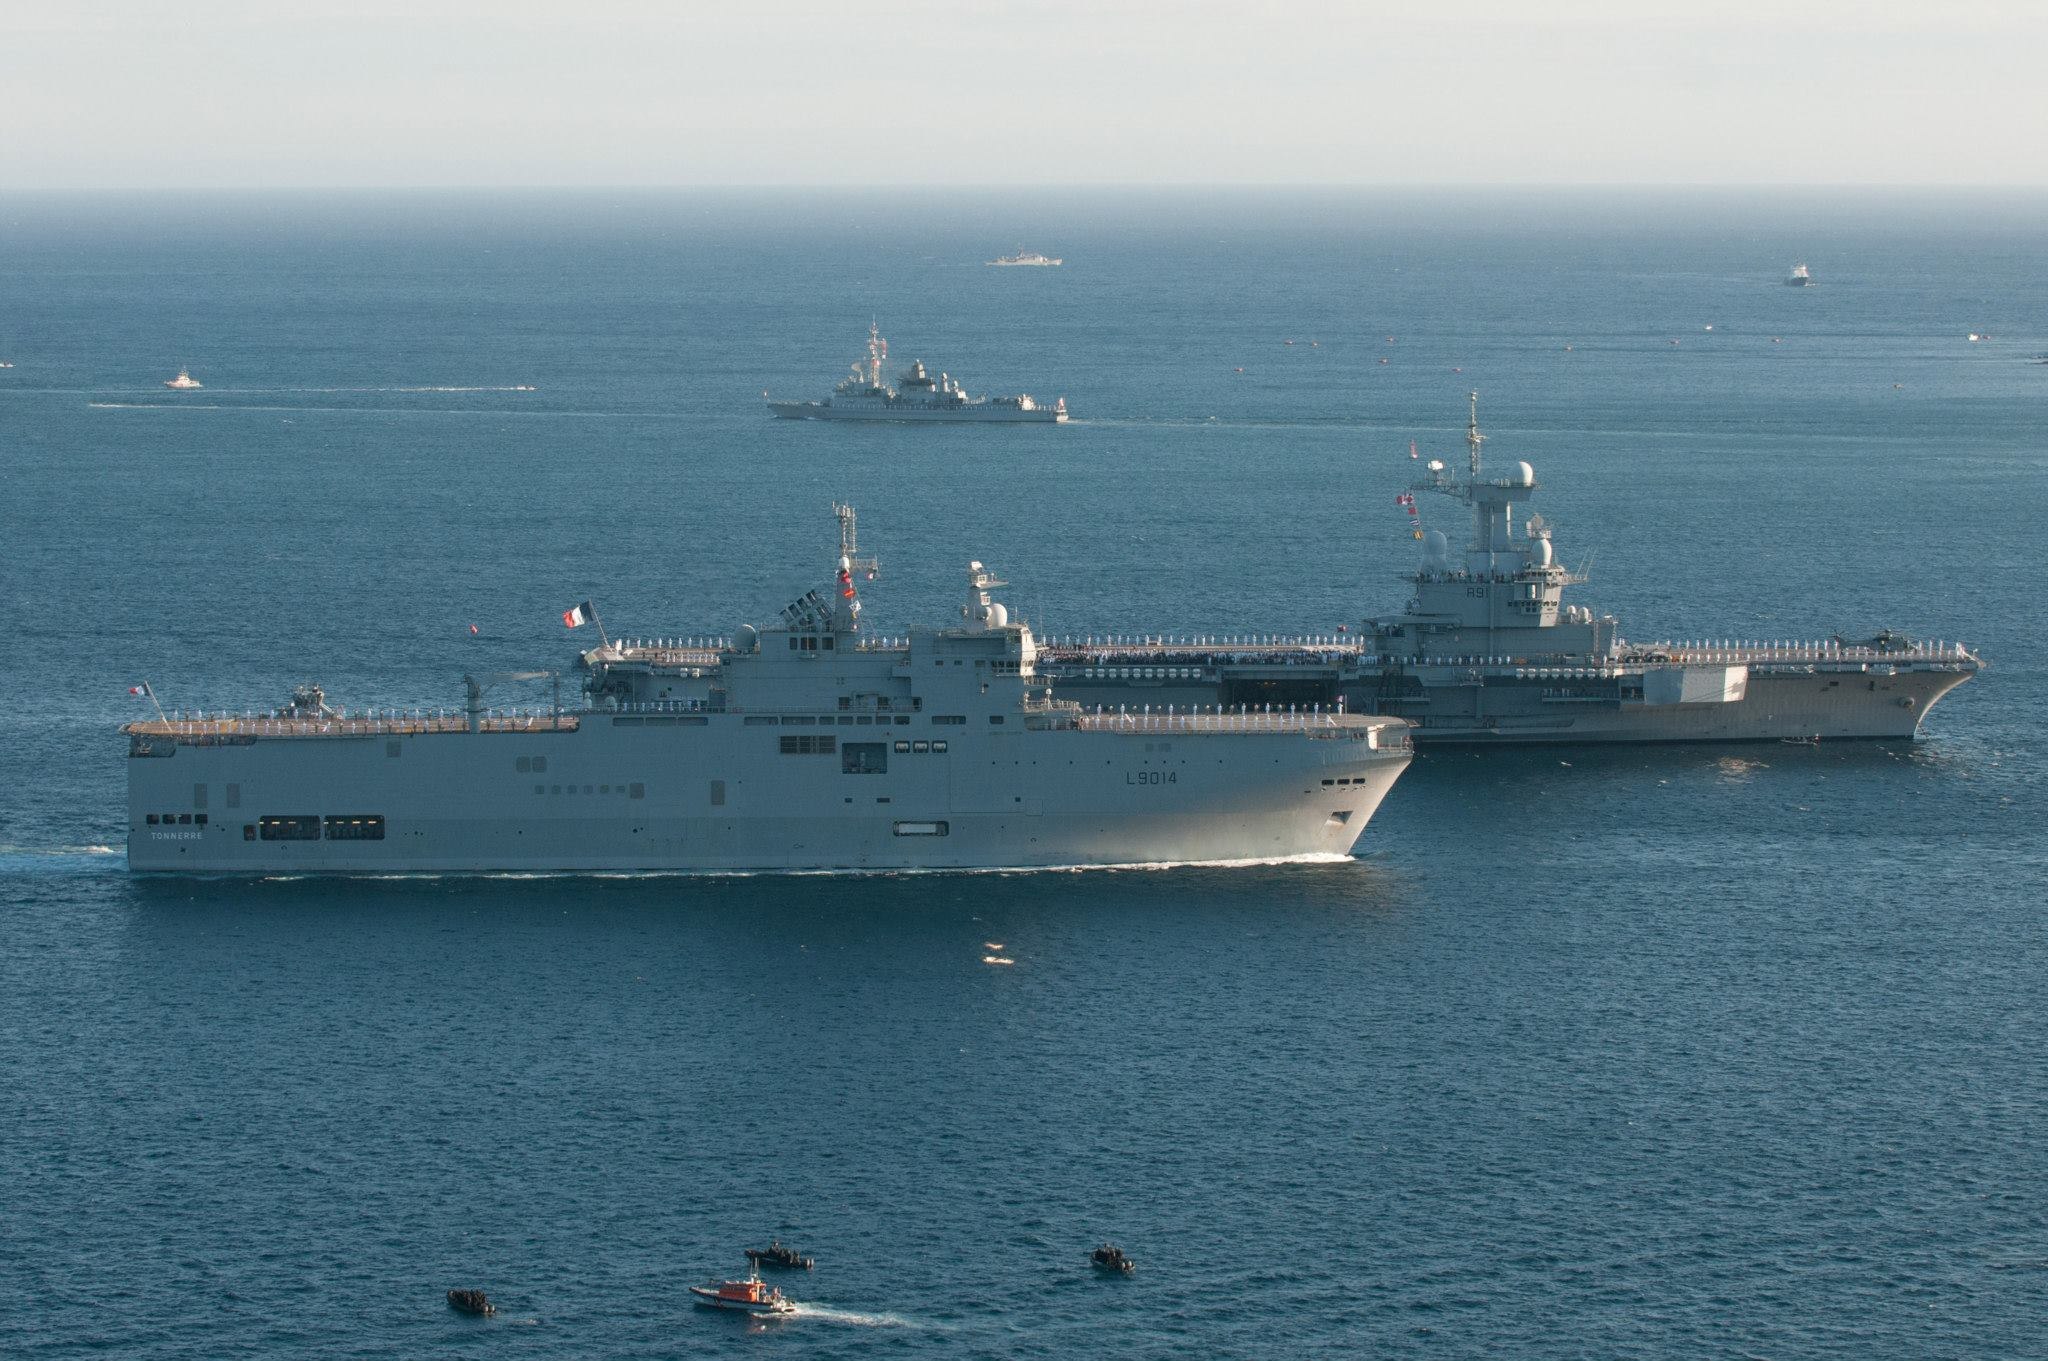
[
  {"x": 917, "y": 396},
  {"x": 184, "y": 382},
  {"x": 1799, "y": 278},
  {"x": 1027, "y": 257}
]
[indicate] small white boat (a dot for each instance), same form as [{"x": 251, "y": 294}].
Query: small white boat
[
  {"x": 184, "y": 382},
  {"x": 750, "y": 1296}
]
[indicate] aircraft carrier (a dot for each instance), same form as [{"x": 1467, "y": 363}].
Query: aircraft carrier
[
  {"x": 802, "y": 744},
  {"x": 1487, "y": 652},
  {"x": 917, "y": 396}
]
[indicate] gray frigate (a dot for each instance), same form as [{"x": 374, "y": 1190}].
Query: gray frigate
[
  {"x": 863, "y": 396},
  {"x": 805, "y": 743},
  {"x": 1488, "y": 652}
]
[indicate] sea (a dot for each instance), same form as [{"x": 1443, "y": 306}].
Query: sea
[{"x": 1641, "y": 1052}]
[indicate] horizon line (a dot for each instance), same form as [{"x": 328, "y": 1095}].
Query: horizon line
[{"x": 1243, "y": 186}]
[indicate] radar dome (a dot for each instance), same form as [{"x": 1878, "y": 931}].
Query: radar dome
[
  {"x": 1525, "y": 476},
  {"x": 1436, "y": 549},
  {"x": 1539, "y": 553},
  {"x": 998, "y": 615},
  {"x": 747, "y": 638}
]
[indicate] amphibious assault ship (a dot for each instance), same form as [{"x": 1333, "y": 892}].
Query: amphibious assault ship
[
  {"x": 803, "y": 744},
  {"x": 917, "y": 396},
  {"x": 1488, "y": 652}
]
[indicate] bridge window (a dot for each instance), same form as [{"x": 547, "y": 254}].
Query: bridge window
[
  {"x": 281, "y": 828},
  {"x": 810, "y": 744},
  {"x": 949, "y": 718}
]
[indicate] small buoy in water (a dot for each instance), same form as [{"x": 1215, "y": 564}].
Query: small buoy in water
[
  {"x": 1897, "y": 386},
  {"x": 1390, "y": 340},
  {"x": 1674, "y": 341},
  {"x": 1567, "y": 349},
  {"x": 1383, "y": 361},
  {"x": 1455, "y": 370},
  {"x": 1708, "y": 327},
  {"x": 1777, "y": 340},
  {"x": 1286, "y": 342},
  {"x": 1240, "y": 369}
]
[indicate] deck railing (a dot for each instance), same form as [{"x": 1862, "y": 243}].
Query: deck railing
[{"x": 344, "y": 725}]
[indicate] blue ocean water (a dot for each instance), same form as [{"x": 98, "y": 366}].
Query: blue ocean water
[{"x": 1630, "y": 1053}]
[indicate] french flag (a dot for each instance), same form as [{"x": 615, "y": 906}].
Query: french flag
[
  {"x": 138, "y": 690},
  {"x": 577, "y": 616}
]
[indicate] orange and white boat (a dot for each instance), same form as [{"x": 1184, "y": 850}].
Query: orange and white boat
[{"x": 752, "y": 1296}]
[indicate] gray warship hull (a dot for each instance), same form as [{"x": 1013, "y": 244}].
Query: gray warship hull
[
  {"x": 1488, "y": 653},
  {"x": 917, "y": 397},
  {"x": 1879, "y": 697},
  {"x": 804, "y": 744},
  {"x": 630, "y": 792}
]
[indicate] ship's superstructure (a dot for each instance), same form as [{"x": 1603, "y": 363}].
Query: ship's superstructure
[
  {"x": 1028, "y": 257},
  {"x": 1488, "y": 651},
  {"x": 1799, "y": 277},
  {"x": 863, "y": 396},
  {"x": 802, "y": 744}
]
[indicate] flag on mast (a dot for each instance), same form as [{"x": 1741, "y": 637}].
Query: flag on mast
[{"x": 578, "y": 615}]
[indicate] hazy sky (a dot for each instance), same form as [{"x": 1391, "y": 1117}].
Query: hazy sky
[{"x": 611, "y": 92}]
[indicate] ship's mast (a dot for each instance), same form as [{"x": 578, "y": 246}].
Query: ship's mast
[
  {"x": 849, "y": 542},
  {"x": 1473, "y": 439},
  {"x": 878, "y": 350}
]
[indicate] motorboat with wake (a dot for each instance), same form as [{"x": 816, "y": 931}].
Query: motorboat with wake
[{"x": 750, "y": 1296}]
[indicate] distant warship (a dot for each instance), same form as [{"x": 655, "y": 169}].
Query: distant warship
[
  {"x": 863, "y": 396},
  {"x": 1799, "y": 278},
  {"x": 1487, "y": 652},
  {"x": 803, "y": 744},
  {"x": 1027, "y": 257}
]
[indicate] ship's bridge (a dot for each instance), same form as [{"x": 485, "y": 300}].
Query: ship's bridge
[
  {"x": 817, "y": 654},
  {"x": 1505, "y": 596}
]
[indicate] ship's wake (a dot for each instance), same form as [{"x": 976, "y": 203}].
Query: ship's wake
[
  {"x": 825, "y": 1313},
  {"x": 6, "y": 850}
]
